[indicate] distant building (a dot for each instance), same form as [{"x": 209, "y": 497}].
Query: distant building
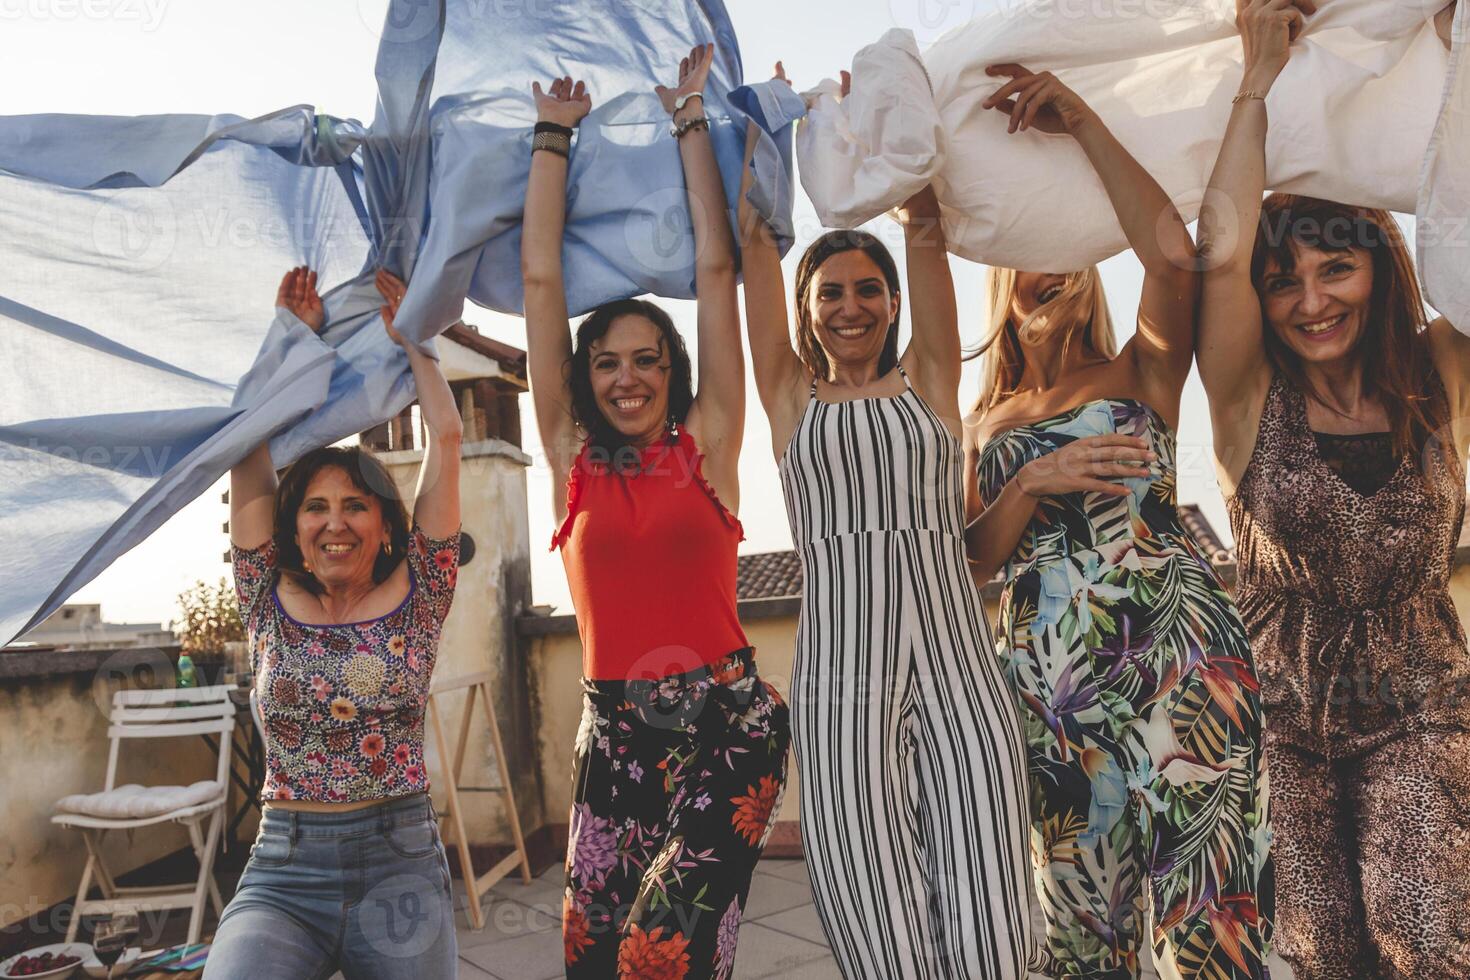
[{"x": 80, "y": 626}]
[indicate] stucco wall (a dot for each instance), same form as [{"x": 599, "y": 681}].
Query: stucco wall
[{"x": 479, "y": 635}]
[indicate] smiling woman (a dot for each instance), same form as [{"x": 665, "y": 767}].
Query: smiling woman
[
  {"x": 344, "y": 596},
  {"x": 338, "y": 520},
  {"x": 1340, "y": 441},
  {"x": 900, "y": 717},
  {"x": 630, "y": 375},
  {"x": 681, "y": 758}
]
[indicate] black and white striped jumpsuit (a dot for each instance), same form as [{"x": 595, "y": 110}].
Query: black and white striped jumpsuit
[{"x": 913, "y": 806}]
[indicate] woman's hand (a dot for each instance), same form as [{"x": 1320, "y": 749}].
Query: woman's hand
[
  {"x": 1267, "y": 30},
  {"x": 693, "y": 73},
  {"x": 566, "y": 104},
  {"x": 391, "y": 288},
  {"x": 1037, "y": 99},
  {"x": 1095, "y": 464},
  {"x": 297, "y": 294}
]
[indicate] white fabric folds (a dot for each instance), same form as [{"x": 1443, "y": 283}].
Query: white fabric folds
[{"x": 1351, "y": 120}]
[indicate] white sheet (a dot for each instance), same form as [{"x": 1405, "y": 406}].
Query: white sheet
[{"x": 1351, "y": 120}]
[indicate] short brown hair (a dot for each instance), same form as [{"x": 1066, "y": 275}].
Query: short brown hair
[{"x": 368, "y": 475}]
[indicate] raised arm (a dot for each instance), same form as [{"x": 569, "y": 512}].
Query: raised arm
[
  {"x": 436, "y": 501},
  {"x": 717, "y": 417},
  {"x": 1232, "y": 354},
  {"x": 780, "y": 378},
  {"x": 548, "y": 332},
  {"x": 1164, "y": 343},
  {"x": 253, "y": 479},
  {"x": 933, "y": 356}
]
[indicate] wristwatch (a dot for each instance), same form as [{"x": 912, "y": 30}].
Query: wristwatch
[{"x": 683, "y": 100}]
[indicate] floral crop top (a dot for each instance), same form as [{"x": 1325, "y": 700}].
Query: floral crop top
[{"x": 342, "y": 706}]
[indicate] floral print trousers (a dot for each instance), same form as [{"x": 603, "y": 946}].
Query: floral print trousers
[
  {"x": 1148, "y": 791},
  {"x": 678, "y": 782}
]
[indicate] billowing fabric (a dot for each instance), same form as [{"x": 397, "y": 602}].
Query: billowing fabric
[
  {"x": 913, "y": 808},
  {"x": 1351, "y": 120},
  {"x": 1346, "y": 595},
  {"x": 137, "y": 353},
  {"x": 342, "y": 704},
  {"x": 1142, "y": 715},
  {"x": 678, "y": 783},
  {"x": 1444, "y": 192}
]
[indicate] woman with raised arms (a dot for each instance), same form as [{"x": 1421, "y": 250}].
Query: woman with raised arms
[
  {"x": 913, "y": 794},
  {"x": 344, "y": 595},
  {"x": 1138, "y": 693},
  {"x": 681, "y": 754},
  {"x": 1340, "y": 439}
]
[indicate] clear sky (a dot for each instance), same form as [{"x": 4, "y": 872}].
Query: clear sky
[{"x": 130, "y": 57}]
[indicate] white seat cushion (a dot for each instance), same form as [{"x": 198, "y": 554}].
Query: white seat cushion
[{"x": 132, "y": 801}]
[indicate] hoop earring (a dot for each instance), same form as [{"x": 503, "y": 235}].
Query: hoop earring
[{"x": 388, "y": 548}]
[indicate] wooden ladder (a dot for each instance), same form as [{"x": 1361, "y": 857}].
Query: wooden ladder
[{"x": 476, "y": 886}]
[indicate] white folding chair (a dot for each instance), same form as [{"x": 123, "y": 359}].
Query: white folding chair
[{"x": 167, "y": 713}]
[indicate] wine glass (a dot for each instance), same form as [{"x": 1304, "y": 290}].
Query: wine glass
[{"x": 113, "y": 936}]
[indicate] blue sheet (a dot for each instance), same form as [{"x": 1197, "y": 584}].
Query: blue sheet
[{"x": 138, "y": 355}]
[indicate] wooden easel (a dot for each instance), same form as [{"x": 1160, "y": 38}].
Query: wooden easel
[{"x": 476, "y": 886}]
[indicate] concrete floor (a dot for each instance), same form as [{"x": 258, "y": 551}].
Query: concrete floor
[{"x": 780, "y": 936}]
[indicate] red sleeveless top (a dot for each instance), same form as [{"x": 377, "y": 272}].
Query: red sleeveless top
[{"x": 650, "y": 556}]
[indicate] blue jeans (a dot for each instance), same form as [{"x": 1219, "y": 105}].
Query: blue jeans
[{"x": 365, "y": 892}]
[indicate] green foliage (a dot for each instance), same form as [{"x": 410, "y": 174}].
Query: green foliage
[{"x": 211, "y": 618}]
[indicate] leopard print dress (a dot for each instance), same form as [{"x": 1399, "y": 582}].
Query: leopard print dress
[{"x": 1366, "y": 684}]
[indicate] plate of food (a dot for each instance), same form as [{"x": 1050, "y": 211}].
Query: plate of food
[{"x": 55, "y": 962}]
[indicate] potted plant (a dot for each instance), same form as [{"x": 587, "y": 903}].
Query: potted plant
[{"x": 210, "y": 625}]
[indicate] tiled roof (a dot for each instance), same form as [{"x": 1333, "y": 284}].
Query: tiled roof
[
  {"x": 777, "y": 574},
  {"x": 770, "y": 575},
  {"x": 1204, "y": 535},
  {"x": 512, "y": 359}
]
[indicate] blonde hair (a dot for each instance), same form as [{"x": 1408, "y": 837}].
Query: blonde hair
[{"x": 1080, "y": 308}]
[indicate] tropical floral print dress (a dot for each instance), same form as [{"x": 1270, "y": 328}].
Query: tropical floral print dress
[
  {"x": 1142, "y": 719},
  {"x": 677, "y": 785}
]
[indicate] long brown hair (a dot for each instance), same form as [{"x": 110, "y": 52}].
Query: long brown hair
[
  {"x": 1081, "y": 308},
  {"x": 830, "y": 244},
  {"x": 1395, "y": 359}
]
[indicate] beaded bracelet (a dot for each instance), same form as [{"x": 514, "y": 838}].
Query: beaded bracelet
[{"x": 682, "y": 129}]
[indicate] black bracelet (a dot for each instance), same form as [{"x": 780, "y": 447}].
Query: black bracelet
[
  {"x": 554, "y": 142},
  {"x": 551, "y": 127}
]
